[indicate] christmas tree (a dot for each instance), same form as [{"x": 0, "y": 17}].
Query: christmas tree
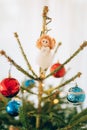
[{"x": 52, "y": 111}]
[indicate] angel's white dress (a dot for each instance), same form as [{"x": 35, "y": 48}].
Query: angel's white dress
[{"x": 44, "y": 57}]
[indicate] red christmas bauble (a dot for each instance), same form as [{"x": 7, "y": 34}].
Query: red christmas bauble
[
  {"x": 9, "y": 87},
  {"x": 59, "y": 73}
]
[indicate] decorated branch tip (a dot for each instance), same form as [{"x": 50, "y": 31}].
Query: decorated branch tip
[{"x": 45, "y": 43}]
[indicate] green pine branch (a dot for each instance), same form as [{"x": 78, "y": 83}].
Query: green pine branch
[
  {"x": 24, "y": 55},
  {"x": 18, "y": 67},
  {"x": 77, "y": 120},
  {"x": 78, "y": 116},
  {"x": 84, "y": 44}
]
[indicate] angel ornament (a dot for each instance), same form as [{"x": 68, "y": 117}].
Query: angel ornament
[{"x": 45, "y": 43}]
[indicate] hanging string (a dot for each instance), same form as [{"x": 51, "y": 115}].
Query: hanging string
[{"x": 9, "y": 72}]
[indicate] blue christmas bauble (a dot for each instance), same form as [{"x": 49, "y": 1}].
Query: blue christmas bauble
[
  {"x": 76, "y": 95},
  {"x": 12, "y": 107},
  {"x": 29, "y": 82}
]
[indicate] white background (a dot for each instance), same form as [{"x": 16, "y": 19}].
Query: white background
[{"x": 69, "y": 25}]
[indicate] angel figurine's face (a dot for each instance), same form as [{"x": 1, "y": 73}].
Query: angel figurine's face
[{"x": 45, "y": 42}]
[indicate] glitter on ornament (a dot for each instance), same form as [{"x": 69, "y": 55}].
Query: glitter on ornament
[
  {"x": 60, "y": 73},
  {"x": 76, "y": 95},
  {"x": 12, "y": 107},
  {"x": 28, "y": 83},
  {"x": 9, "y": 87}
]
